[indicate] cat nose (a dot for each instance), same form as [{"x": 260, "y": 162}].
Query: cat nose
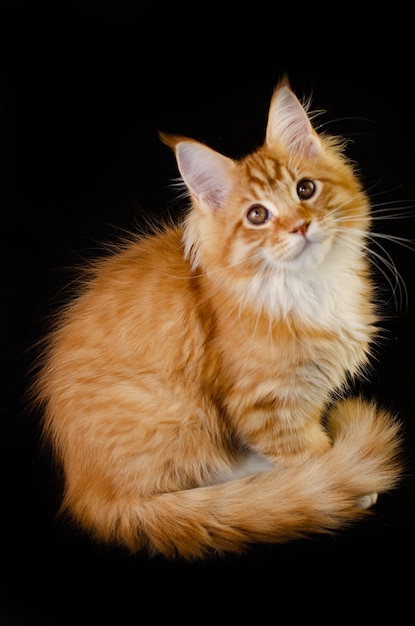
[{"x": 301, "y": 227}]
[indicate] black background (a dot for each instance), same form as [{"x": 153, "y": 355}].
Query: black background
[{"x": 85, "y": 86}]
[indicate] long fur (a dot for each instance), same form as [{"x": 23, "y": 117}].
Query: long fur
[{"x": 194, "y": 390}]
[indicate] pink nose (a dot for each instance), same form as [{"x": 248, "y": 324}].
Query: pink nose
[{"x": 301, "y": 228}]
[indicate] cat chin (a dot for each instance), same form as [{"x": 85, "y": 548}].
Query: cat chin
[{"x": 311, "y": 255}]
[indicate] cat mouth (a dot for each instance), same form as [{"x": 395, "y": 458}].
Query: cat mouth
[
  {"x": 305, "y": 247},
  {"x": 311, "y": 252},
  {"x": 306, "y": 253}
]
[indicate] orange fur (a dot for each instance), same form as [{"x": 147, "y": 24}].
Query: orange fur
[{"x": 189, "y": 390}]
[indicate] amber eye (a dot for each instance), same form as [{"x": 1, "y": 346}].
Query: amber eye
[
  {"x": 258, "y": 214},
  {"x": 306, "y": 189}
]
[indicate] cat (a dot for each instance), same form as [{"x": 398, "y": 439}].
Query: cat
[{"x": 196, "y": 389}]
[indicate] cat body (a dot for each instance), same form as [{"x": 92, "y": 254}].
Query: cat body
[{"x": 193, "y": 389}]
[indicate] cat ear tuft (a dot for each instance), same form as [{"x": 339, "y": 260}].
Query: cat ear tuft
[
  {"x": 289, "y": 125},
  {"x": 207, "y": 174},
  {"x": 170, "y": 140}
]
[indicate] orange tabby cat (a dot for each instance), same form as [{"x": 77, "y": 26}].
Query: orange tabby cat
[{"x": 192, "y": 391}]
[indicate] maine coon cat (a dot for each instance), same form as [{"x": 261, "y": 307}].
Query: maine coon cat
[{"x": 195, "y": 389}]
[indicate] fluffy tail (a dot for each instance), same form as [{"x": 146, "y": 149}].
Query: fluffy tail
[{"x": 324, "y": 494}]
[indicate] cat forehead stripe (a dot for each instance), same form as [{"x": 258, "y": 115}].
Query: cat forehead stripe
[
  {"x": 266, "y": 170},
  {"x": 263, "y": 174}
]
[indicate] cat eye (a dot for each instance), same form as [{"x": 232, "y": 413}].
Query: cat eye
[
  {"x": 306, "y": 189},
  {"x": 258, "y": 214}
]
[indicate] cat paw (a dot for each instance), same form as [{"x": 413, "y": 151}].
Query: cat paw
[{"x": 365, "y": 502}]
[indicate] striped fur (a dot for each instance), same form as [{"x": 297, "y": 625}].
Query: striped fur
[{"x": 194, "y": 391}]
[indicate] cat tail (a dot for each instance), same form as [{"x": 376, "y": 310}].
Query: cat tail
[{"x": 324, "y": 494}]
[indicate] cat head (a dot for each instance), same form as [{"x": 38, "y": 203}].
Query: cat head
[{"x": 284, "y": 207}]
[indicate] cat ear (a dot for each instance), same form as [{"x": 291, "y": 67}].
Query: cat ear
[
  {"x": 207, "y": 174},
  {"x": 289, "y": 125}
]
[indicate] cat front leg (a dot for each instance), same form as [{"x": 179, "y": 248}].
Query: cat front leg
[{"x": 285, "y": 438}]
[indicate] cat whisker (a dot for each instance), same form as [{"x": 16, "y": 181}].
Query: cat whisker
[
  {"x": 403, "y": 241},
  {"x": 410, "y": 242},
  {"x": 406, "y": 204},
  {"x": 398, "y": 285},
  {"x": 383, "y": 216},
  {"x": 385, "y": 265},
  {"x": 382, "y": 192},
  {"x": 380, "y": 214}
]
